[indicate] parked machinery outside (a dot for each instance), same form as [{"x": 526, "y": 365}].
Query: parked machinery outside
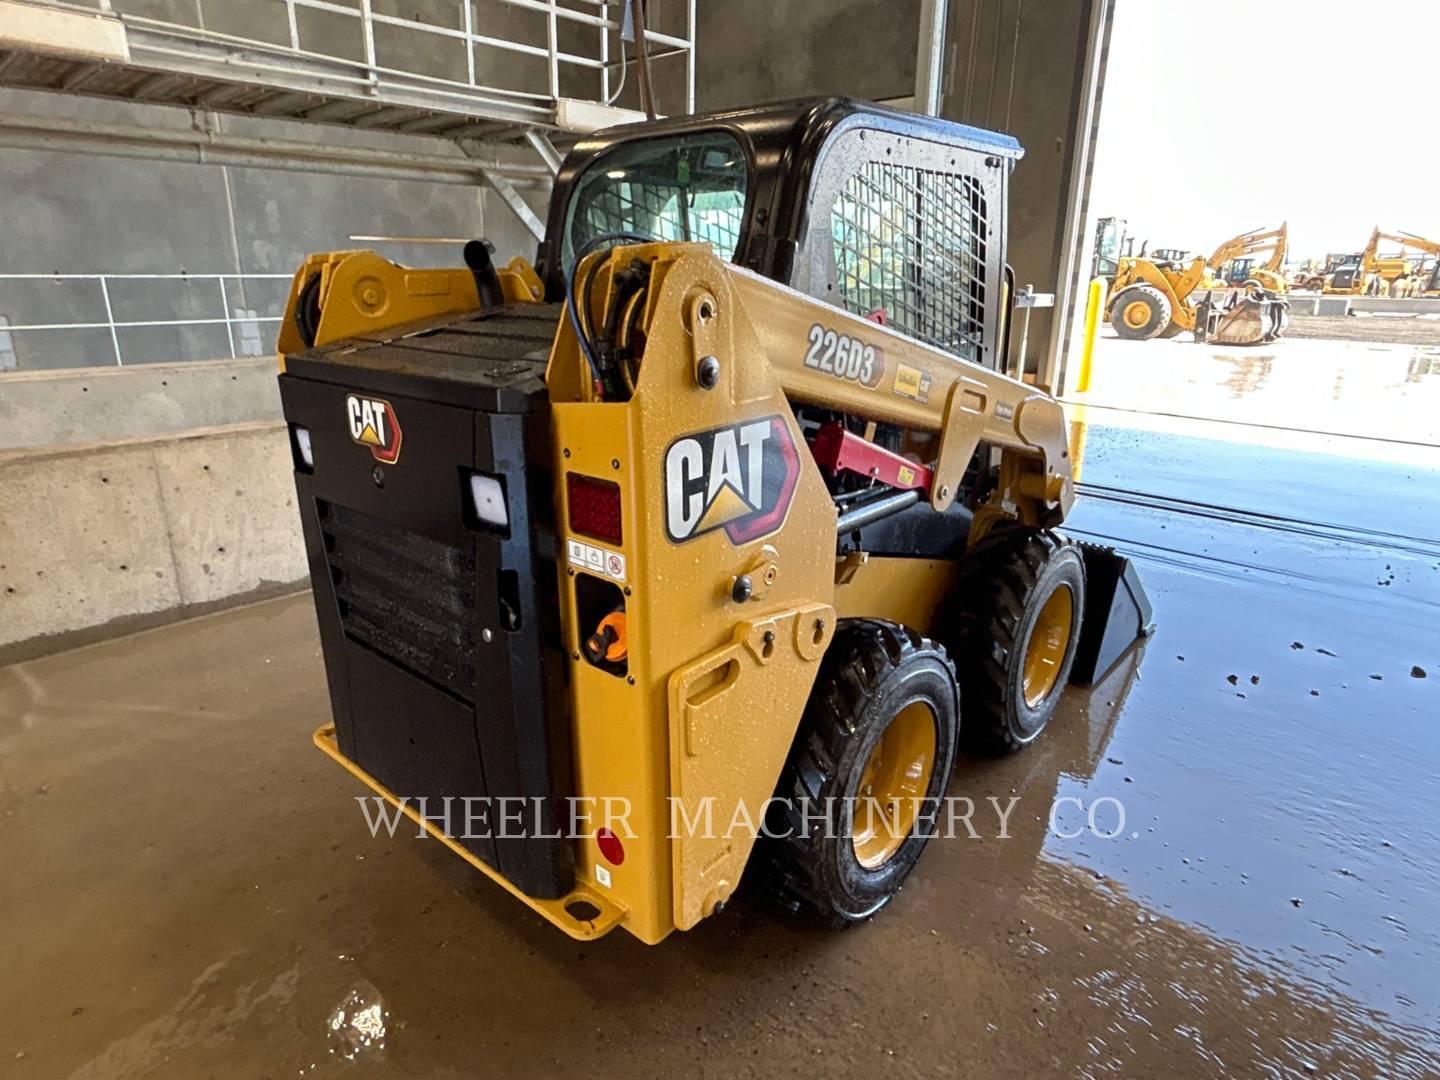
[
  {"x": 1152, "y": 298},
  {"x": 1368, "y": 272}
]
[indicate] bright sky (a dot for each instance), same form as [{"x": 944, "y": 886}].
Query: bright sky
[{"x": 1230, "y": 115}]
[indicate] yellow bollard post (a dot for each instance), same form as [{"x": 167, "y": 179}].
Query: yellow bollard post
[{"x": 1094, "y": 305}]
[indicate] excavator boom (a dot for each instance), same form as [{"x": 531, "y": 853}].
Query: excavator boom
[
  {"x": 1257, "y": 242},
  {"x": 1430, "y": 247}
]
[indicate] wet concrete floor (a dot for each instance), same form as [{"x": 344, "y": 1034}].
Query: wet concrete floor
[
  {"x": 1360, "y": 388},
  {"x": 190, "y": 891}
]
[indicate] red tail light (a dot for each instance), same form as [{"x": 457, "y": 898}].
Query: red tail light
[
  {"x": 594, "y": 507},
  {"x": 610, "y": 846}
]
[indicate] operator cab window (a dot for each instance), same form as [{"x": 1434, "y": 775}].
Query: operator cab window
[
  {"x": 684, "y": 187},
  {"x": 910, "y": 243},
  {"x": 1107, "y": 247}
]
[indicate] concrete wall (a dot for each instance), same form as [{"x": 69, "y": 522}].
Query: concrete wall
[
  {"x": 136, "y": 494},
  {"x": 82, "y": 405},
  {"x": 1377, "y": 305},
  {"x": 101, "y": 538},
  {"x": 65, "y": 213},
  {"x": 755, "y": 51},
  {"x": 69, "y": 214}
]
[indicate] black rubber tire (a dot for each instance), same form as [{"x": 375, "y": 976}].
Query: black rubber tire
[
  {"x": 871, "y": 671},
  {"x": 307, "y": 311},
  {"x": 1001, "y": 595},
  {"x": 1158, "y": 303}
]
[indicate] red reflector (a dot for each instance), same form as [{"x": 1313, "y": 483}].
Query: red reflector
[
  {"x": 610, "y": 846},
  {"x": 594, "y": 507}
]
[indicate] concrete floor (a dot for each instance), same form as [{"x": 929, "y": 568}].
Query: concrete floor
[
  {"x": 190, "y": 890},
  {"x": 1382, "y": 392}
]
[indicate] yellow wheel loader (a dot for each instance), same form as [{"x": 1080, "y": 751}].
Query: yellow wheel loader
[
  {"x": 695, "y": 552},
  {"x": 1153, "y": 297}
]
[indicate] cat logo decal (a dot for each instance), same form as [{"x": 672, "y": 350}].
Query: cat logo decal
[
  {"x": 373, "y": 424},
  {"x": 740, "y": 478}
]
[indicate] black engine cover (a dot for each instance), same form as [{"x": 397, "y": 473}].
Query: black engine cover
[{"x": 440, "y": 631}]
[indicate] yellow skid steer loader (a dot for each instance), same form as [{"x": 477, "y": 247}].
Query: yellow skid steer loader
[{"x": 697, "y": 550}]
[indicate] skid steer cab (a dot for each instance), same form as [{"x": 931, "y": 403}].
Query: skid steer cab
[{"x": 694, "y": 552}]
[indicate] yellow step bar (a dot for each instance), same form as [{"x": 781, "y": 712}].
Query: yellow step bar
[{"x": 557, "y": 912}]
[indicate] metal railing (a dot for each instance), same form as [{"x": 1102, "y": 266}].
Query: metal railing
[
  {"x": 376, "y": 70},
  {"x": 553, "y": 12},
  {"x": 246, "y": 320}
]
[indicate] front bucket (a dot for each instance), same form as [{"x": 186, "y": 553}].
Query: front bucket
[
  {"x": 1252, "y": 318},
  {"x": 1117, "y": 613}
]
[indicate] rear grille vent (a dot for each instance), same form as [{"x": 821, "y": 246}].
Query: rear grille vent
[{"x": 409, "y": 598}]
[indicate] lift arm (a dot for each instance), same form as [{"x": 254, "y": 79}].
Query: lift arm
[
  {"x": 822, "y": 355},
  {"x": 919, "y": 387}
]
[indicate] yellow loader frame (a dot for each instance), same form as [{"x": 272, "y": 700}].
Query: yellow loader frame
[{"x": 708, "y": 673}]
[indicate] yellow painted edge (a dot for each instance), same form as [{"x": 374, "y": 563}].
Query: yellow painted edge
[{"x": 553, "y": 911}]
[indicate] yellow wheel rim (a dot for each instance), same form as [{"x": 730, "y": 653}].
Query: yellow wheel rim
[
  {"x": 1049, "y": 640},
  {"x": 895, "y": 780},
  {"x": 1136, "y": 314}
]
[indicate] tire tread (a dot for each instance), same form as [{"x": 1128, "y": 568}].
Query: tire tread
[
  {"x": 862, "y": 655},
  {"x": 988, "y": 631}
]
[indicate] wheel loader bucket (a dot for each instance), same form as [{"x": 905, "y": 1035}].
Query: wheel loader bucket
[
  {"x": 1257, "y": 317},
  {"x": 1117, "y": 613}
]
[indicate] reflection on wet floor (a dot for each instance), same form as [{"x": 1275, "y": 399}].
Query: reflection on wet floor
[
  {"x": 1345, "y": 387},
  {"x": 199, "y": 896},
  {"x": 357, "y": 1025},
  {"x": 1262, "y": 805},
  {"x": 1248, "y": 373},
  {"x": 1283, "y": 796}
]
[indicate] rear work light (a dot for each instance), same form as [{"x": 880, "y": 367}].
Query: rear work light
[
  {"x": 594, "y": 507},
  {"x": 487, "y": 499},
  {"x": 304, "y": 452}
]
